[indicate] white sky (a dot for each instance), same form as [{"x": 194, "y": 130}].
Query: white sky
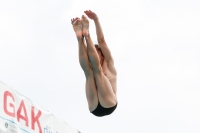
[{"x": 155, "y": 44}]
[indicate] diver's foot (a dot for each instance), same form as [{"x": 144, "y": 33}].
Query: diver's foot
[
  {"x": 77, "y": 26},
  {"x": 85, "y": 26}
]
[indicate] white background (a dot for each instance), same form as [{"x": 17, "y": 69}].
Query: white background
[{"x": 155, "y": 44}]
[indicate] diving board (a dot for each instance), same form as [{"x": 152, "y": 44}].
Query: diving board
[{"x": 19, "y": 114}]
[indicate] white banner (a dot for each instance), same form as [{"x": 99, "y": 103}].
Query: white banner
[{"x": 20, "y": 115}]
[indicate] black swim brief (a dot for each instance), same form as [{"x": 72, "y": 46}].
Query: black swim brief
[{"x": 101, "y": 111}]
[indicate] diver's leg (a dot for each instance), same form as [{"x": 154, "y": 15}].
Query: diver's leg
[
  {"x": 106, "y": 96},
  {"x": 91, "y": 91},
  {"x": 90, "y": 86}
]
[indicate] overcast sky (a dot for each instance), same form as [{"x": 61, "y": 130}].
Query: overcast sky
[{"x": 155, "y": 45}]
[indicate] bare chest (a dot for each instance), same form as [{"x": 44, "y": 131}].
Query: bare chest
[
  {"x": 109, "y": 71},
  {"x": 111, "y": 74}
]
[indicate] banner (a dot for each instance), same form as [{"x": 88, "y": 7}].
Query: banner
[{"x": 20, "y": 115}]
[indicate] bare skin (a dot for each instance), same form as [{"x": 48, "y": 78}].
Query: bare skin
[{"x": 97, "y": 64}]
